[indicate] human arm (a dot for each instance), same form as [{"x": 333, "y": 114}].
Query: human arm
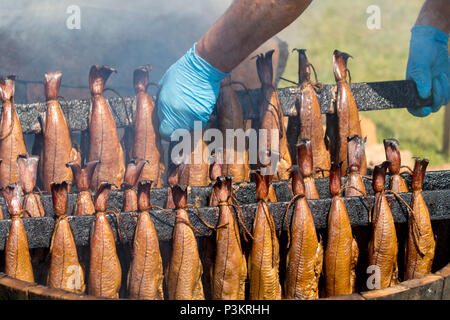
[{"x": 190, "y": 87}]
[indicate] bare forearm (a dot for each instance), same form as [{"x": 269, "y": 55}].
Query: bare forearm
[
  {"x": 244, "y": 27},
  {"x": 435, "y": 13}
]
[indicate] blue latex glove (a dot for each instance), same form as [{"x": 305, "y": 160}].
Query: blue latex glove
[
  {"x": 428, "y": 66},
  {"x": 189, "y": 90}
]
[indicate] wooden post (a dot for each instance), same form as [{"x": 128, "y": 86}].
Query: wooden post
[{"x": 446, "y": 138}]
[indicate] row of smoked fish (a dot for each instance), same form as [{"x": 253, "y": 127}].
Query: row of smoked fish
[{"x": 337, "y": 153}]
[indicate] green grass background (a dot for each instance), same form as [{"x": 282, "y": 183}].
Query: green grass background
[{"x": 379, "y": 55}]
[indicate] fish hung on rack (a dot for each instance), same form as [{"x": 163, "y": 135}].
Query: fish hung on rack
[
  {"x": 230, "y": 266},
  {"x": 134, "y": 170},
  {"x": 310, "y": 116},
  {"x": 82, "y": 177},
  {"x": 345, "y": 121},
  {"x": 264, "y": 259},
  {"x": 271, "y": 120},
  {"x": 355, "y": 157},
  {"x": 17, "y": 254},
  {"x": 58, "y": 148},
  {"x": 147, "y": 141},
  {"x": 145, "y": 279},
  {"x": 397, "y": 183},
  {"x": 341, "y": 253},
  {"x": 305, "y": 164},
  {"x": 184, "y": 274},
  {"x": 28, "y": 166},
  {"x": 383, "y": 247},
  {"x": 105, "y": 272},
  {"x": 11, "y": 138},
  {"x": 231, "y": 119},
  {"x": 421, "y": 245},
  {"x": 65, "y": 271},
  {"x": 305, "y": 255},
  {"x": 194, "y": 170},
  {"x": 104, "y": 144}
]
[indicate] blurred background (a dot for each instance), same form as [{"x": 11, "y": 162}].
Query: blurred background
[{"x": 127, "y": 34}]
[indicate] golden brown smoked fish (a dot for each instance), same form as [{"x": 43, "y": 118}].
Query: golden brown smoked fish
[
  {"x": 65, "y": 271},
  {"x": 104, "y": 271},
  {"x": 421, "y": 244},
  {"x": 134, "y": 169},
  {"x": 57, "y": 143},
  {"x": 383, "y": 247},
  {"x": 84, "y": 205},
  {"x": 11, "y": 138},
  {"x": 397, "y": 183},
  {"x": 271, "y": 117},
  {"x": 231, "y": 118},
  {"x": 184, "y": 276},
  {"x": 104, "y": 144},
  {"x": 341, "y": 253},
  {"x": 264, "y": 256},
  {"x": 146, "y": 271},
  {"x": 305, "y": 256},
  {"x": 355, "y": 156},
  {"x": 230, "y": 267},
  {"x": 305, "y": 163},
  {"x": 346, "y": 110},
  {"x": 310, "y": 117},
  {"x": 17, "y": 254},
  {"x": 27, "y": 174},
  {"x": 147, "y": 142}
]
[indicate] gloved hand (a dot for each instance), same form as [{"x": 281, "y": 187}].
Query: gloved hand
[
  {"x": 189, "y": 90},
  {"x": 428, "y": 66}
]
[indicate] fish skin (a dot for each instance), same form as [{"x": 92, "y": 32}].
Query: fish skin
[
  {"x": 27, "y": 167},
  {"x": 84, "y": 204},
  {"x": 264, "y": 257},
  {"x": 340, "y": 252},
  {"x": 383, "y": 247},
  {"x": 305, "y": 256},
  {"x": 271, "y": 116},
  {"x": 147, "y": 141},
  {"x": 57, "y": 142},
  {"x": 195, "y": 174},
  {"x": 230, "y": 116},
  {"x": 11, "y": 143},
  {"x": 392, "y": 151},
  {"x": 33, "y": 205},
  {"x": 104, "y": 143},
  {"x": 17, "y": 254},
  {"x": 146, "y": 270},
  {"x": 346, "y": 110},
  {"x": 230, "y": 266},
  {"x": 65, "y": 266},
  {"x": 82, "y": 177},
  {"x": 310, "y": 117},
  {"x": 421, "y": 245},
  {"x": 105, "y": 271},
  {"x": 184, "y": 276}
]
